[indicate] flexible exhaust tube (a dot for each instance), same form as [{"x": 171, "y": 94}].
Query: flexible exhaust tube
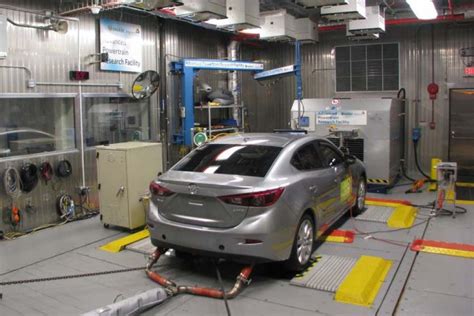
[{"x": 242, "y": 279}]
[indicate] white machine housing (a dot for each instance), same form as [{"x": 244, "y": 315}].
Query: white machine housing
[
  {"x": 152, "y": 4},
  {"x": 306, "y": 31},
  {"x": 201, "y": 10},
  {"x": 124, "y": 172},
  {"x": 277, "y": 25},
  {"x": 380, "y": 123},
  {"x": 241, "y": 15},
  {"x": 373, "y": 23},
  {"x": 361, "y": 36},
  {"x": 3, "y": 36},
  {"x": 319, "y": 3},
  {"x": 353, "y": 10}
]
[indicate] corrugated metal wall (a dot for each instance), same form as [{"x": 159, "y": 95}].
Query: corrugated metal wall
[
  {"x": 50, "y": 56},
  {"x": 415, "y": 74}
]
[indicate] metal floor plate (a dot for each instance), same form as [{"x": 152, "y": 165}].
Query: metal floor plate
[
  {"x": 375, "y": 213},
  {"x": 142, "y": 246},
  {"x": 326, "y": 274}
]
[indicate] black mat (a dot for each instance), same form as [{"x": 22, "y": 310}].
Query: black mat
[{"x": 464, "y": 193}]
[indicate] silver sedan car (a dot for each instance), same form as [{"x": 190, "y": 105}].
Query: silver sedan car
[{"x": 255, "y": 197}]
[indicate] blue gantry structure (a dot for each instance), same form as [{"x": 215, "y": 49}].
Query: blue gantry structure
[{"x": 188, "y": 68}]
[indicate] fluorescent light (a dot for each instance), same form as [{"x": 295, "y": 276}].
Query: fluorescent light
[{"x": 423, "y": 9}]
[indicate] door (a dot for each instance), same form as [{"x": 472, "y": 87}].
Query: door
[
  {"x": 461, "y": 140},
  {"x": 335, "y": 162},
  {"x": 319, "y": 181}
]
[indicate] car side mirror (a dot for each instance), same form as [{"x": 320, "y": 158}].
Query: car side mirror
[{"x": 350, "y": 159}]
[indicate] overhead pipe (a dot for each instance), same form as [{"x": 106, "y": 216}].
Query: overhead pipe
[
  {"x": 403, "y": 21},
  {"x": 174, "y": 289}
]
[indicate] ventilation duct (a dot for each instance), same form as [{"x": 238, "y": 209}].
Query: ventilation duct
[{"x": 353, "y": 10}]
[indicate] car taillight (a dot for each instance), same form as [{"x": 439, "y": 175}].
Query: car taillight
[
  {"x": 258, "y": 199},
  {"x": 158, "y": 190}
]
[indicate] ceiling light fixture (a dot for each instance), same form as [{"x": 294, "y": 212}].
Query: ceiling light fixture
[
  {"x": 95, "y": 9},
  {"x": 423, "y": 9}
]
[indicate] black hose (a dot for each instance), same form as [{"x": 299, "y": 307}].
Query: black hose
[
  {"x": 223, "y": 290},
  {"x": 404, "y": 93},
  {"x": 415, "y": 147}
]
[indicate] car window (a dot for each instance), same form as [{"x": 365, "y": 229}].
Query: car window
[
  {"x": 307, "y": 158},
  {"x": 330, "y": 154},
  {"x": 243, "y": 160}
]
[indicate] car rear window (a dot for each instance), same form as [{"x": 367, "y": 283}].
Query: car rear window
[{"x": 243, "y": 160}]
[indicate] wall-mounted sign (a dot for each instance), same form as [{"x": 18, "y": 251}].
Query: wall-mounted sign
[
  {"x": 341, "y": 117},
  {"x": 469, "y": 71},
  {"x": 123, "y": 42}
]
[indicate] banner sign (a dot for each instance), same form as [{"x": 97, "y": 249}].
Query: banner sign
[
  {"x": 123, "y": 42},
  {"x": 341, "y": 117}
]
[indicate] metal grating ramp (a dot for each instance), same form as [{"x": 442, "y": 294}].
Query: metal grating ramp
[
  {"x": 326, "y": 274},
  {"x": 375, "y": 213},
  {"x": 142, "y": 246}
]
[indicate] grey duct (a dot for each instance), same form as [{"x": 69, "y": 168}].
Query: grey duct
[
  {"x": 233, "y": 51},
  {"x": 134, "y": 305}
]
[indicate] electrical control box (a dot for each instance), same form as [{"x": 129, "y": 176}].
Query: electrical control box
[
  {"x": 3, "y": 36},
  {"x": 124, "y": 173}
]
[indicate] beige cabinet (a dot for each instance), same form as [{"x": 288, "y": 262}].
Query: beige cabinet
[{"x": 124, "y": 172}]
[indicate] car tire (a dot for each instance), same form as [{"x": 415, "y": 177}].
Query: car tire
[
  {"x": 303, "y": 245},
  {"x": 360, "y": 198}
]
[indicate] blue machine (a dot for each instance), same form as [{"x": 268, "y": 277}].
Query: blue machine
[{"x": 189, "y": 67}]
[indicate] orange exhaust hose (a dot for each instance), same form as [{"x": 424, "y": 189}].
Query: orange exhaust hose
[{"x": 242, "y": 279}]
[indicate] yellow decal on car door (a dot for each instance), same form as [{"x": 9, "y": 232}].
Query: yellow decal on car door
[{"x": 346, "y": 189}]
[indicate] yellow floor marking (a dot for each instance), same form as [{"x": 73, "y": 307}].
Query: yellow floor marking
[{"x": 119, "y": 244}]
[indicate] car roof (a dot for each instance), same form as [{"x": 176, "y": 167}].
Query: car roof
[{"x": 266, "y": 139}]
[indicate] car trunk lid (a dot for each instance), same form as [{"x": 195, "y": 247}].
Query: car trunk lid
[{"x": 196, "y": 199}]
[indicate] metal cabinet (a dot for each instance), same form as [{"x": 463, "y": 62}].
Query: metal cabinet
[{"x": 124, "y": 172}]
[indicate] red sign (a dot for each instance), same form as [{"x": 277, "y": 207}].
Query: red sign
[{"x": 469, "y": 71}]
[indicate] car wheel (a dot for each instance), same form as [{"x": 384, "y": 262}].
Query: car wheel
[
  {"x": 302, "y": 246},
  {"x": 360, "y": 199}
]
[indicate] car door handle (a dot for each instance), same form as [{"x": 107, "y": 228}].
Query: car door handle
[{"x": 313, "y": 188}]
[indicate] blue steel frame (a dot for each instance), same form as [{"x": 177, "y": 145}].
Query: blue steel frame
[{"x": 189, "y": 67}]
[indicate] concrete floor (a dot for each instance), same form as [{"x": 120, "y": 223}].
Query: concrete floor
[{"x": 416, "y": 284}]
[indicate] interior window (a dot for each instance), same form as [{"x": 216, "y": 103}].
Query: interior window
[
  {"x": 333, "y": 158},
  {"x": 307, "y": 158},
  {"x": 36, "y": 125},
  {"x": 110, "y": 120}
]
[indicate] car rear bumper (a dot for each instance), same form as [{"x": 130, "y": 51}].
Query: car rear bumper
[{"x": 255, "y": 239}]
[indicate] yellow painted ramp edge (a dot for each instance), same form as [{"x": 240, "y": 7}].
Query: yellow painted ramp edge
[
  {"x": 362, "y": 284},
  {"x": 403, "y": 216},
  {"x": 119, "y": 244}
]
